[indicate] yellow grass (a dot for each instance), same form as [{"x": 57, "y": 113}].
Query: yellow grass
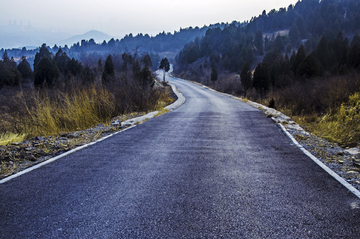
[
  {"x": 53, "y": 112},
  {"x": 8, "y": 138},
  {"x": 342, "y": 127},
  {"x": 63, "y": 112}
]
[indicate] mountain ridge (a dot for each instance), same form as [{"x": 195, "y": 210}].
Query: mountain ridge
[{"x": 98, "y": 37}]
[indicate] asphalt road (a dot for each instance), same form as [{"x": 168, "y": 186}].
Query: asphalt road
[{"x": 213, "y": 168}]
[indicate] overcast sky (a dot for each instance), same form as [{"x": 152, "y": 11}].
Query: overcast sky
[{"x": 120, "y": 17}]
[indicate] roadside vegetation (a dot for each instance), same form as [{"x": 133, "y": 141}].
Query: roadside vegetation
[
  {"x": 303, "y": 60},
  {"x": 62, "y": 95}
]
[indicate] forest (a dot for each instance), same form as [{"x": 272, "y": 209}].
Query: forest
[{"x": 303, "y": 60}]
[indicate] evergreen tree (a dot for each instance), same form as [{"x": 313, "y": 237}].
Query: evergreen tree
[
  {"x": 261, "y": 78},
  {"x": 43, "y": 52},
  {"x": 164, "y": 64},
  {"x": 136, "y": 69},
  {"x": 55, "y": 48},
  {"x": 214, "y": 74},
  {"x": 294, "y": 35},
  {"x": 354, "y": 57},
  {"x": 109, "y": 71},
  {"x": 259, "y": 42},
  {"x": 25, "y": 69},
  {"x": 61, "y": 59},
  {"x": 5, "y": 57},
  {"x": 309, "y": 67},
  {"x": 146, "y": 60},
  {"x": 74, "y": 67},
  {"x": 300, "y": 23},
  {"x": 146, "y": 78},
  {"x": 9, "y": 75},
  {"x": 88, "y": 76},
  {"x": 282, "y": 76},
  {"x": 299, "y": 58},
  {"x": 245, "y": 77},
  {"x": 46, "y": 72},
  {"x": 279, "y": 43},
  {"x": 324, "y": 54}
]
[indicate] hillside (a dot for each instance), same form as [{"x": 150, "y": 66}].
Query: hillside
[
  {"x": 304, "y": 60},
  {"x": 97, "y": 36}
]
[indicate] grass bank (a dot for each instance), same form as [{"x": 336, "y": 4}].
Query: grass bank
[
  {"x": 29, "y": 113},
  {"x": 327, "y": 107}
]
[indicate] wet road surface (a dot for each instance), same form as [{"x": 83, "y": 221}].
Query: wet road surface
[{"x": 213, "y": 168}]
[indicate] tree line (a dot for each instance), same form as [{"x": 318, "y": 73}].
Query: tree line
[
  {"x": 162, "y": 42},
  {"x": 55, "y": 70},
  {"x": 283, "y": 30}
]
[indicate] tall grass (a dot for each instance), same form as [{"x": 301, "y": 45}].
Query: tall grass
[
  {"x": 327, "y": 107},
  {"x": 49, "y": 112},
  {"x": 342, "y": 127},
  {"x": 32, "y": 112}
]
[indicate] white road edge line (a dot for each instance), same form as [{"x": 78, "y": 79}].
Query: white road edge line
[
  {"x": 176, "y": 104},
  {"x": 59, "y": 157},
  {"x": 322, "y": 165},
  {"x": 307, "y": 153}
]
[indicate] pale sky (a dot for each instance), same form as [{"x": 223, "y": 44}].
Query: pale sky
[{"x": 120, "y": 17}]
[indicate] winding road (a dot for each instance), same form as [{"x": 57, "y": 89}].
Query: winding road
[{"x": 213, "y": 168}]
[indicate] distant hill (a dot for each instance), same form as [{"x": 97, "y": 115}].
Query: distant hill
[
  {"x": 18, "y": 36},
  {"x": 93, "y": 34}
]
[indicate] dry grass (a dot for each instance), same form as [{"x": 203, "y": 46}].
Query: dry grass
[
  {"x": 51, "y": 112},
  {"x": 8, "y": 138},
  {"x": 342, "y": 127},
  {"x": 31, "y": 113},
  {"x": 164, "y": 99}
]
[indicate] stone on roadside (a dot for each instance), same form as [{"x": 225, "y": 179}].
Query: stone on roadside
[
  {"x": 353, "y": 151},
  {"x": 72, "y": 135},
  {"x": 39, "y": 138},
  {"x": 116, "y": 123},
  {"x": 29, "y": 148}
]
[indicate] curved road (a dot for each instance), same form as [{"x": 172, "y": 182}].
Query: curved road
[{"x": 213, "y": 168}]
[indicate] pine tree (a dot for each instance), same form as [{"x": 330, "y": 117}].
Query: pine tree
[
  {"x": 259, "y": 42},
  {"x": 61, "y": 59},
  {"x": 109, "y": 71},
  {"x": 43, "y": 52},
  {"x": 88, "y": 76},
  {"x": 74, "y": 67},
  {"x": 309, "y": 67},
  {"x": 299, "y": 58},
  {"x": 25, "y": 69},
  {"x": 146, "y": 60},
  {"x": 294, "y": 35},
  {"x": 164, "y": 64},
  {"x": 46, "y": 72},
  {"x": 214, "y": 74},
  {"x": 245, "y": 77},
  {"x": 261, "y": 78},
  {"x": 324, "y": 54}
]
